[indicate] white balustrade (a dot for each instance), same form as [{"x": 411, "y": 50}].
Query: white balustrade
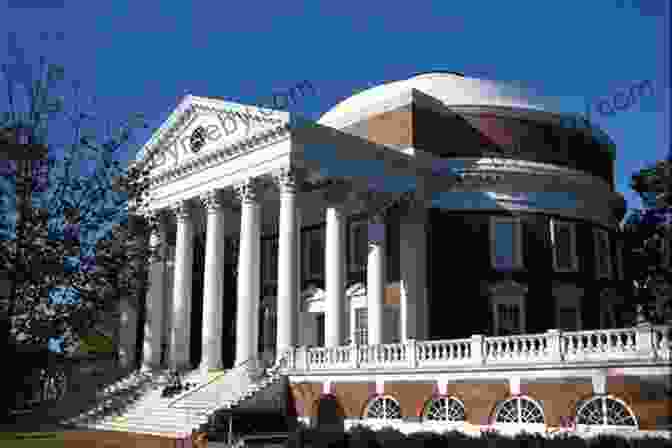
[
  {"x": 645, "y": 342},
  {"x": 433, "y": 352},
  {"x": 516, "y": 348},
  {"x": 662, "y": 341},
  {"x": 599, "y": 344}
]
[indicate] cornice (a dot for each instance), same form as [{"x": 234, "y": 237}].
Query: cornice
[
  {"x": 186, "y": 111},
  {"x": 226, "y": 153},
  {"x": 487, "y": 169}
]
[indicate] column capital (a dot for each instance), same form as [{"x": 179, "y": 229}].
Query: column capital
[
  {"x": 213, "y": 200},
  {"x": 248, "y": 190},
  {"x": 181, "y": 210},
  {"x": 288, "y": 180}
]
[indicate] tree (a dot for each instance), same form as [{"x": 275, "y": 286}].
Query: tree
[
  {"x": 54, "y": 245},
  {"x": 648, "y": 234}
]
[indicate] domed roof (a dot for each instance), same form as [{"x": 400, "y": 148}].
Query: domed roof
[{"x": 452, "y": 89}]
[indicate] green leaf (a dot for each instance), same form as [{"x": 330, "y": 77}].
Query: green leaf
[{"x": 55, "y": 73}]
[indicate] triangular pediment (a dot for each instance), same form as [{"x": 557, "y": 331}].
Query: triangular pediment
[{"x": 199, "y": 126}]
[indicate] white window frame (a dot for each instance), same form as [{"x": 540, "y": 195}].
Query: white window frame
[
  {"x": 517, "y": 241},
  {"x": 509, "y": 301},
  {"x": 597, "y": 235},
  {"x": 555, "y": 223},
  {"x": 508, "y": 293}
]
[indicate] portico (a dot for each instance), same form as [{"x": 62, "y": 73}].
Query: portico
[{"x": 274, "y": 181}]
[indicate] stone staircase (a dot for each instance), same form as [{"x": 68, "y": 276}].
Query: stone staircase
[{"x": 150, "y": 413}]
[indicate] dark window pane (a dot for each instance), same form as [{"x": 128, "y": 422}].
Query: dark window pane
[
  {"x": 563, "y": 252},
  {"x": 504, "y": 240}
]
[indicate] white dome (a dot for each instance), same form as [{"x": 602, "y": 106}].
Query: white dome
[{"x": 450, "y": 89}]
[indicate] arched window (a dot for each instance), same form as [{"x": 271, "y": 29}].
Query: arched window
[
  {"x": 444, "y": 409},
  {"x": 383, "y": 407},
  {"x": 519, "y": 410},
  {"x": 605, "y": 411}
]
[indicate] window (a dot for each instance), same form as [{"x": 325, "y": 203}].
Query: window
[
  {"x": 568, "y": 318},
  {"x": 519, "y": 410},
  {"x": 444, "y": 409},
  {"x": 359, "y": 244},
  {"x": 508, "y": 307},
  {"x": 361, "y": 326},
  {"x": 383, "y": 408},
  {"x": 509, "y": 319},
  {"x": 563, "y": 239},
  {"x": 605, "y": 411},
  {"x": 506, "y": 239},
  {"x": 320, "y": 330},
  {"x": 602, "y": 254},
  {"x": 313, "y": 254}
]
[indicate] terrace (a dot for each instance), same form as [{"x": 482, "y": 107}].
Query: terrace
[{"x": 555, "y": 348}]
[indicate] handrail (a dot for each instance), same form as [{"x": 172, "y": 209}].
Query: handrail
[{"x": 187, "y": 393}]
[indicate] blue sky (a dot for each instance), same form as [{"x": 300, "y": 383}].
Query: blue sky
[{"x": 144, "y": 56}]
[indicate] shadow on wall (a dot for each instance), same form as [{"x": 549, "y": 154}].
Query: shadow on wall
[{"x": 330, "y": 414}]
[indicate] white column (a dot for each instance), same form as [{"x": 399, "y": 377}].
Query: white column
[
  {"x": 154, "y": 321},
  {"x": 297, "y": 302},
  {"x": 335, "y": 276},
  {"x": 213, "y": 281},
  {"x": 247, "y": 322},
  {"x": 184, "y": 257},
  {"x": 375, "y": 279},
  {"x": 287, "y": 263}
]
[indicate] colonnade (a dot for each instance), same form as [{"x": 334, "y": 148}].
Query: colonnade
[{"x": 249, "y": 263}]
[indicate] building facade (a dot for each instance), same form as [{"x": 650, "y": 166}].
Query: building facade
[{"x": 403, "y": 254}]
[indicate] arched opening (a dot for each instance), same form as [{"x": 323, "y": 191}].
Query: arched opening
[
  {"x": 605, "y": 411},
  {"x": 447, "y": 409}
]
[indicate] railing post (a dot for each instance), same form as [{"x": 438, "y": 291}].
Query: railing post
[
  {"x": 410, "y": 352},
  {"x": 554, "y": 345},
  {"x": 354, "y": 355},
  {"x": 644, "y": 340},
  {"x": 477, "y": 349},
  {"x": 301, "y": 359}
]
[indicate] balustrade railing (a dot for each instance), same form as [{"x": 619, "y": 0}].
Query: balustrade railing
[{"x": 641, "y": 342}]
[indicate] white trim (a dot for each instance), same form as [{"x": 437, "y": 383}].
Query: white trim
[
  {"x": 511, "y": 294},
  {"x": 517, "y": 241},
  {"x": 572, "y": 249},
  {"x": 527, "y": 373},
  {"x": 599, "y": 234}
]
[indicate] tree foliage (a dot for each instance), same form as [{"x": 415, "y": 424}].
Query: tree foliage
[
  {"x": 648, "y": 233},
  {"x": 70, "y": 263}
]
